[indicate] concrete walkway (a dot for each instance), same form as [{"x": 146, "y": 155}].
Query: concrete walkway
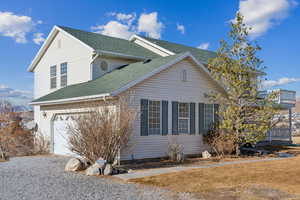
[{"x": 158, "y": 171}]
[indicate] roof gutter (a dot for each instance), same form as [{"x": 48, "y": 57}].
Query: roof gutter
[{"x": 73, "y": 100}]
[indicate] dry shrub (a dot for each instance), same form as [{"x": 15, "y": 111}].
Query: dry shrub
[
  {"x": 221, "y": 143},
  {"x": 175, "y": 151},
  {"x": 41, "y": 144},
  {"x": 14, "y": 139},
  {"x": 102, "y": 131}
]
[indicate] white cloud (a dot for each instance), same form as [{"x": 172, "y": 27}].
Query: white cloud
[
  {"x": 15, "y": 26},
  {"x": 7, "y": 92},
  {"x": 114, "y": 29},
  {"x": 279, "y": 82},
  {"x": 261, "y": 15},
  {"x": 38, "y": 38},
  {"x": 149, "y": 24},
  {"x": 127, "y": 18},
  {"x": 204, "y": 46},
  {"x": 125, "y": 25},
  {"x": 181, "y": 28}
]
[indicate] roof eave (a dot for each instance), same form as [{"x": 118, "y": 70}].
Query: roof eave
[
  {"x": 134, "y": 37},
  {"x": 73, "y": 100}
]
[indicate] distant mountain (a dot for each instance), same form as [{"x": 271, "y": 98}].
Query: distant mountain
[{"x": 21, "y": 108}]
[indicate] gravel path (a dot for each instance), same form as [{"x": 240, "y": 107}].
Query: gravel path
[{"x": 43, "y": 178}]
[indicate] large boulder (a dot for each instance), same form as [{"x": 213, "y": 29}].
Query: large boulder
[
  {"x": 85, "y": 163},
  {"x": 206, "y": 154},
  {"x": 93, "y": 170},
  {"x": 74, "y": 164},
  {"x": 108, "y": 170}
]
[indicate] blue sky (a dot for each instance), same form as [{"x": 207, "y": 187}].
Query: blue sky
[{"x": 25, "y": 24}]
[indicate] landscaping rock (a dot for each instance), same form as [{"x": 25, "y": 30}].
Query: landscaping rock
[
  {"x": 108, "y": 170},
  {"x": 74, "y": 164},
  {"x": 93, "y": 170},
  {"x": 206, "y": 154},
  {"x": 100, "y": 163},
  {"x": 85, "y": 163}
]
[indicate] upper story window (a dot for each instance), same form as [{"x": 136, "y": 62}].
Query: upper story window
[
  {"x": 154, "y": 117},
  {"x": 53, "y": 77},
  {"x": 208, "y": 116},
  {"x": 184, "y": 75},
  {"x": 64, "y": 74},
  {"x": 59, "y": 43},
  {"x": 183, "y": 117}
]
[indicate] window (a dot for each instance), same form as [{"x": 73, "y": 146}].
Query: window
[
  {"x": 59, "y": 43},
  {"x": 183, "y": 117},
  {"x": 154, "y": 117},
  {"x": 63, "y": 74},
  {"x": 183, "y": 75},
  {"x": 53, "y": 77},
  {"x": 208, "y": 116}
]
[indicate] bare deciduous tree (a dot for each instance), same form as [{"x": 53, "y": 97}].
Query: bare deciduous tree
[{"x": 102, "y": 131}]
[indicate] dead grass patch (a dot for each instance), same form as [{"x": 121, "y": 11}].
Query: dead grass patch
[{"x": 246, "y": 181}]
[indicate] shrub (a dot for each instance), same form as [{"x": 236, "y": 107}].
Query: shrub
[
  {"x": 102, "y": 131},
  {"x": 221, "y": 143},
  {"x": 41, "y": 144},
  {"x": 175, "y": 152}
]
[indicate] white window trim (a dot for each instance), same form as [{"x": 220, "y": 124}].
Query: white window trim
[
  {"x": 52, "y": 77},
  {"x": 64, "y": 74},
  {"x": 189, "y": 118},
  {"x": 160, "y": 117}
]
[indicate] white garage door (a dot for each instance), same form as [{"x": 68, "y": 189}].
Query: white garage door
[{"x": 60, "y": 134}]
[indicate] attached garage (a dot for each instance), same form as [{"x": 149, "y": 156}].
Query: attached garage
[{"x": 60, "y": 127}]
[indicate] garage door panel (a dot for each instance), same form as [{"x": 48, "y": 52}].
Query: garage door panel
[{"x": 60, "y": 135}]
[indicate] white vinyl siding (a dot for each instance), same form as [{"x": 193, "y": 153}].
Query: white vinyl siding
[
  {"x": 183, "y": 118},
  {"x": 64, "y": 74},
  {"x": 167, "y": 85},
  {"x": 53, "y": 78},
  {"x": 154, "y": 117},
  {"x": 208, "y": 116}
]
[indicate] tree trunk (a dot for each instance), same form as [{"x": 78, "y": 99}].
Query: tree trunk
[{"x": 237, "y": 150}]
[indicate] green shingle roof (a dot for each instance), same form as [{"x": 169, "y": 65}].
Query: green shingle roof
[
  {"x": 200, "y": 54},
  {"x": 110, "y": 81},
  {"x": 107, "y": 43}
]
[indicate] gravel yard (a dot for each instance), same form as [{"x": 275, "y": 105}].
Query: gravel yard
[{"x": 42, "y": 177}]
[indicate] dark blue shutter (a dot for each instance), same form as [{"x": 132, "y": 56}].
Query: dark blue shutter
[
  {"x": 144, "y": 117},
  {"x": 175, "y": 118},
  {"x": 201, "y": 118},
  {"x": 164, "y": 117},
  {"x": 192, "y": 119},
  {"x": 216, "y": 116}
]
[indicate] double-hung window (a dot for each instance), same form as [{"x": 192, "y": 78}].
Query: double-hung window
[
  {"x": 208, "y": 116},
  {"x": 63, "y": 74},
  {"x": 53, "y": 77},
  {"x": 154, "y": 117},
  {"x": 183, "y": 117}
]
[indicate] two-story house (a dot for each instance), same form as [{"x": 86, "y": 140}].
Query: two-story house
[{"x": 168, "y": 80}]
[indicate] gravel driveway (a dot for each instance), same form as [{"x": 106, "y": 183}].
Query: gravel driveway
[{"x": 42, "y": 177}]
